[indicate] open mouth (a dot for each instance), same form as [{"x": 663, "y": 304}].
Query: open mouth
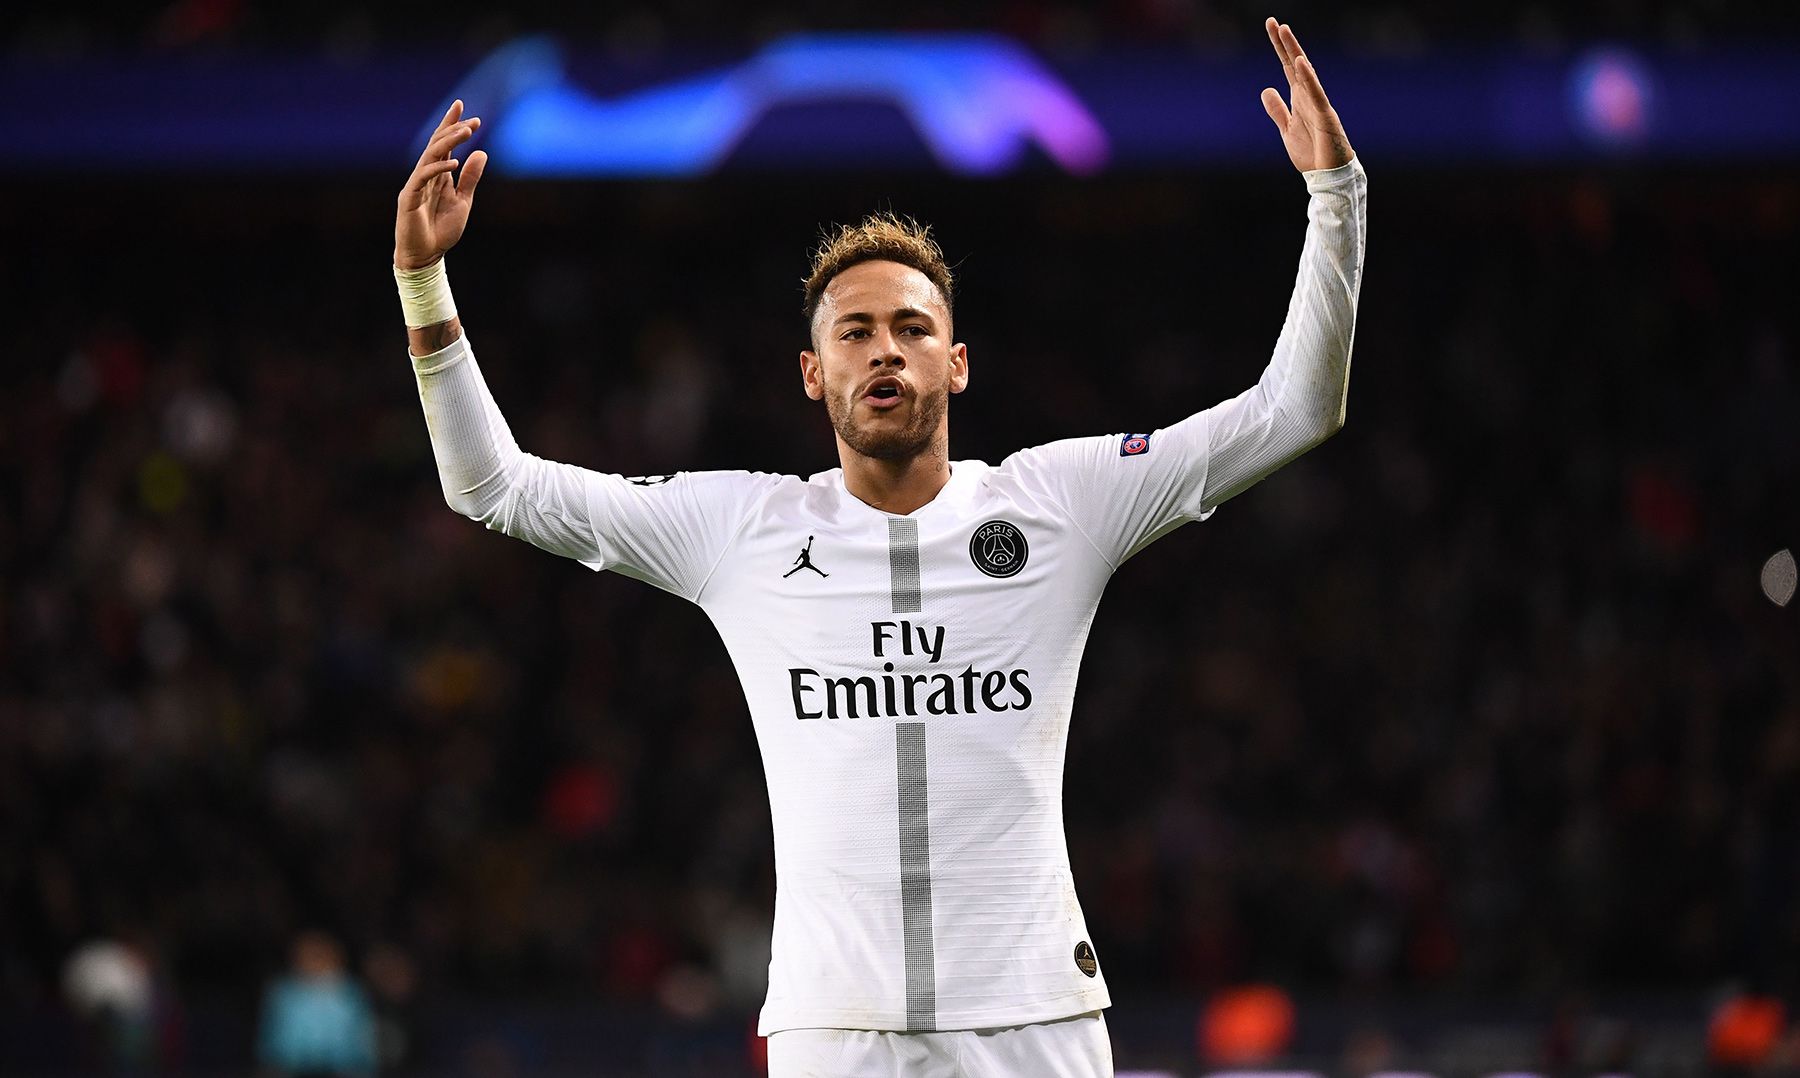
[{"x": 883, "y": 393}]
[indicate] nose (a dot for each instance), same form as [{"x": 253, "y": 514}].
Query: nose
[{"x": 888, "y": 354}]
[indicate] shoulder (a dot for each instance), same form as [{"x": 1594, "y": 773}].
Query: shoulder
[
  {"x": 713, "y": 483},
  {"x": 1063, "y": 456}
]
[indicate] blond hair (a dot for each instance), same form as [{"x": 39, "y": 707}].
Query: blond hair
[{"x": 878, "y": 237}]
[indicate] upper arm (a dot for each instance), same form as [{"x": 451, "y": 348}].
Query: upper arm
[
  {"x": 667, "y": 530},
  {"x": 671, "y": 530}
]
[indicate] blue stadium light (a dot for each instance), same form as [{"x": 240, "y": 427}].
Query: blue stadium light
[{"x": 977, "y": 101}]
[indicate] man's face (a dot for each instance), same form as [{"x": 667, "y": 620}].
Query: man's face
[{"x": 884, "y": 364}]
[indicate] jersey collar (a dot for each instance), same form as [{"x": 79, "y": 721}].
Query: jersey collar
[{"x": 965, "y": 475}]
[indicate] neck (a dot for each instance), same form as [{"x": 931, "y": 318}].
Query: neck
[{"x": 897, "y": 486}]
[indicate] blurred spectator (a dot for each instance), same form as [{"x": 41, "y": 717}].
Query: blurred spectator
[
  {"x": 131, "y": 1022},
  {"x": 1251, "y": 1026},
  {"x": 393, "y": 991},
  {"x": 108, "y": 984},
  {"x": 317, "y": 1022},
  {"x": 1744, "y": 1032}
]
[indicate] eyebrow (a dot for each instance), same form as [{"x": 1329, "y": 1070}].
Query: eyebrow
[{"x": 899, "y": 314}]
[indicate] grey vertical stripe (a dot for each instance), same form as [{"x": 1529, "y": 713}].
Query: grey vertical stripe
[
  {"x": 915, "y": 878},
  {"x": 915, "y": 826},
  {"x": 903, "y": 564}
]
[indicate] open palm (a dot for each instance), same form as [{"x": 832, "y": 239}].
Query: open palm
[
  {"x": 1310, "y": 128},
  {"x": 433, "y": 207}
]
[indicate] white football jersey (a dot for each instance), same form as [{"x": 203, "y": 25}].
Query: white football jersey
[{"x": 911, "y": 677}]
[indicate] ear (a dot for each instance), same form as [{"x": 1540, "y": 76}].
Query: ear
[
  {"x": 812, "y": 375},
  {"x": 959, "y": 367}
]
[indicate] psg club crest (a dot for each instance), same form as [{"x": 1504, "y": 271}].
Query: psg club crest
[
  {"x": 998, "y": 548},
  {"x": 1134, "y": 445}
]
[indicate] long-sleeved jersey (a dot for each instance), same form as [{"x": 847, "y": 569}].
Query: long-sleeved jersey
[{"x": 911, "y": 677}]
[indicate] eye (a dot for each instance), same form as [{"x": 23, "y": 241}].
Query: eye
[
  {"x": 917, "y": 331},
  {"x": 854, "y": 335}
]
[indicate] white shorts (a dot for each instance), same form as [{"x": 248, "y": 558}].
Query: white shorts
[{"x": 1067, "y": 1048}]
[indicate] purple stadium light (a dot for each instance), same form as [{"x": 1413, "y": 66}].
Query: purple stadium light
[{"x": 1612, "y": 95}]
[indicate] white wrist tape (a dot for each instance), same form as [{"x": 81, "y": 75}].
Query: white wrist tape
[{"x": 425, "y": 295}]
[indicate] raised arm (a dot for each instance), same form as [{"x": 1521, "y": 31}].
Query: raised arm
[
  {"x": 1125, "y": 490},
  {"x": 484, "y": 474},
  {"x": 667, "y": 530},
  {"x": 1300, "y": 399}
]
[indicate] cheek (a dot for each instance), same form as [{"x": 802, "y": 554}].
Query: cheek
[
  {"x": 838, "y": 379},
  {"x": 936, "y": 366},
  {"x": 827, "y": 369}
]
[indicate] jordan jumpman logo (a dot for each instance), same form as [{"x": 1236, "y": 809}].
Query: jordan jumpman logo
[{"x": 804, "y": 561}]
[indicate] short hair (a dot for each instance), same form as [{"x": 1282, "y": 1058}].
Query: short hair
[{"x": 879, "y": 237}]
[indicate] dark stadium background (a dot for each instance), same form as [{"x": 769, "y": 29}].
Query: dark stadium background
[{"x": 1470, "y": 733}]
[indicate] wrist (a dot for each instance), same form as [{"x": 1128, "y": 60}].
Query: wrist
[
  {"x": 425, "y": 297},
  {"x": 1322, "y": 179}
]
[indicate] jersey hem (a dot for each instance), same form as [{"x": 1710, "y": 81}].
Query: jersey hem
[{"x": 1071, "y": 1006}]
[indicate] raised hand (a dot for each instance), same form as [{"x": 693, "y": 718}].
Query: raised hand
[
  {"x": 1311, "y": 130},
  {"x": 434, "y": 207}
]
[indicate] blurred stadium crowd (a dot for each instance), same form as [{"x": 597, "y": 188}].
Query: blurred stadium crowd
[{"x": 1479, "y": 698}]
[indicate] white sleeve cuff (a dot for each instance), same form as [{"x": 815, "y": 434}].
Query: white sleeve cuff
[
  {"x": 1324, "y": 179},
  {"x": 442, "y": 359}
]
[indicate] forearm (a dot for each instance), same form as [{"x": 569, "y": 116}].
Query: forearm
[
  {"x": 475, "y": 451},
  {"x": 476, "y": 454},
  {"x": 1300, "y": 399},
  {"x": 424, "y": 340},
  {"x": 485, "y": 475}
]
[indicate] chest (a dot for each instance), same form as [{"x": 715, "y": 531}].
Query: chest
[{"x": 916, "y": 591}]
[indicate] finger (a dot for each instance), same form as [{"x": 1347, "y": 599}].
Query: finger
[
  {"x": 471, "y": 174},
  {"x": 1309, "y": 84},
  {"x": 1276, "y": 108},
  {"x": 1280, "y": 50},
  {"x": 452, "y": 137},
  {"x": 450, "y": 117},
  {"x": 1290, "y": 44},
  {"x": 424, "y": 174},
  {"x": 420, "y": 180},
  {"x": 444, "y": 141}
]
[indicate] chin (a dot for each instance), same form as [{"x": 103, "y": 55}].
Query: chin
[
  {"x": 901, "y": 445},
  {"x": 883, "y": 439}
]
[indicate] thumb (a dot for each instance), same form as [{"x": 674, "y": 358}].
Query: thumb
[
  {"x": 1276, "y": 108},
  {"x": 471, "y": 173}
]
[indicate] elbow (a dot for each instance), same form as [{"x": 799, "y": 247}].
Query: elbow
[
  {"x": 1325, "y": 428},
  {"x": 1333, "y": 421},
  {"x": 496, "y": 499},
  {"x": 471, "y": 504},
  {"x": 461, "y": 503},
  {"x": 482, "y": 492}
]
